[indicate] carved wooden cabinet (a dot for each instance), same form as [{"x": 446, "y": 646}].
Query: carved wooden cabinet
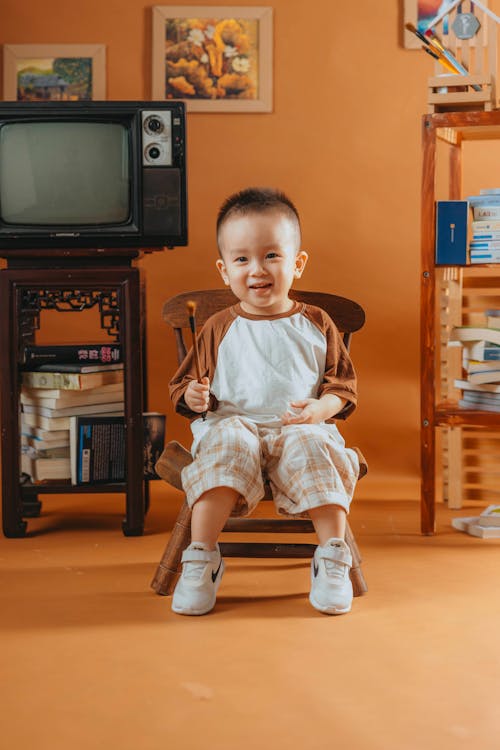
[{"x": 68, "y": 284}]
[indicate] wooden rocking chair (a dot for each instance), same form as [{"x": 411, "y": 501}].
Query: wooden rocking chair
[{"x": 349, "y": 317}]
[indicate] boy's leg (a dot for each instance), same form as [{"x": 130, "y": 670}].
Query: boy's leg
[
  {"x": 230, "y": 454},
  {"x": 314, "y": 473},
  {"x": 202, "y": 565},
  {"x": 329, "y": 521},
  {"x": 210, "y": 513},
  {"x": 331, "y": 587}
]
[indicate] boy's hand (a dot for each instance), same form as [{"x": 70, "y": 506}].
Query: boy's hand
[
  {"x": 314, "y": 410},
  {"x": 197, "y": 395}
]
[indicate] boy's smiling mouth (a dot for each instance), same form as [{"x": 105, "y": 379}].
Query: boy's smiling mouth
[{"x": 261, "y": 285}]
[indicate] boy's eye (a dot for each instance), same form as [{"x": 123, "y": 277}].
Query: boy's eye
[
  {"x": 241, "y": 259},
  {"x": 272, "y": 255}
]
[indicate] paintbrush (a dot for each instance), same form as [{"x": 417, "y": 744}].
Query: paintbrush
[{"x": 191, "y": 309}]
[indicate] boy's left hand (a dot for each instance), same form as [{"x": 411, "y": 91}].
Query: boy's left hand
[{"x": 312, "y": 412}]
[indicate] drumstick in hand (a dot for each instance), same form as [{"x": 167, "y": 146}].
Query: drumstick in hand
[{"x": 191, "y": 308}]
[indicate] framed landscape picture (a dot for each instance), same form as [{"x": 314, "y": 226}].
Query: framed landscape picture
[
  {"x": 215, "y": 58},
  {"x": 54, "y": 72}
]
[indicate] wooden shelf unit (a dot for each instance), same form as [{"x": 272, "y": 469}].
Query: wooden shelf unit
[
  {"x": 454, "y": 128},
  {"x": 77, "y": 280}
]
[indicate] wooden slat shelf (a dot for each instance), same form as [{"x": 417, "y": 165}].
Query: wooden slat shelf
[
  {"x": 450, "y": 414},
  {"x": 472, "y": 286},
  {"x": 454, "y": 127}
]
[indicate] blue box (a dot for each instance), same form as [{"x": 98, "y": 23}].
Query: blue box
[{"x": 451, "y": 233}]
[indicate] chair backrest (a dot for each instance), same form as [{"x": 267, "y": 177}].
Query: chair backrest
[{"x": 347, "y": 315}]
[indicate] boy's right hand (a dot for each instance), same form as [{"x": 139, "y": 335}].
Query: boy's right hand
[{"x": 197, "y": 395}]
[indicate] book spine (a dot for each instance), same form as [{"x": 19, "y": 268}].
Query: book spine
[
  {"x": 71, "y": 381},
  {"x": 66, "y": 381},
  {"x": 485, "y": 226},
  {"x": 479, "y": 236},
  {"x": 451, "y": 232},
  {"x": 73, "y": 354},
  {"x": 484, "y": 245}
]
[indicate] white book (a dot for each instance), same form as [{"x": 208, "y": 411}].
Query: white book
[
  {"x": 54, "y": 423},
  {"x": 470, "y": 525},
  {"x": 490, "y": 517},
  {"x": 74, "y": 410},
  {"x": 481, "y": 351},
  {"x": 42, "y": 469},
  {"x": 485, "y": 226},
  {"x": 38, "y": 444},
  {"x": 466, "y": 385},
  {"x": 48, "y": 436},
  {"x": 60, "y": 398},
  {"x": 484, "y": 377},
  {"x": 475, "y": 333}
]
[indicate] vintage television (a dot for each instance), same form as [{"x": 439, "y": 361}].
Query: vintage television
[{"x": 97, "y": 174}]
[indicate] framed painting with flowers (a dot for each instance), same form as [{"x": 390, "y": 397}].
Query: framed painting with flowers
[{"x": 214, "y": 58}]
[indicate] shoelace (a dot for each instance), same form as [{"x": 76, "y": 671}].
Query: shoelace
[{"x": 334, "y": 568}]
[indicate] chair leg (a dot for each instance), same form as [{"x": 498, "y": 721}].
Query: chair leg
[
  {"x": 166, "y": 573},
  {"x": 359, "y": 586}
]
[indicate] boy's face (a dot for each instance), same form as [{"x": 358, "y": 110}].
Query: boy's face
[{"x": 260, "y": 259}]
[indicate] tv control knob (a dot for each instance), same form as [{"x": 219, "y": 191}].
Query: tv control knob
[
  {"x": 153, "y": 152},
  {"x": 154, "y": 125}
]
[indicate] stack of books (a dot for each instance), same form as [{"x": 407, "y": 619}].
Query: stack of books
[
  {"x": 72, "y": 420},
  {"x": 486, "y": 525},
  {"x": 481, "y": 363},
  {"x": 484, "y": 246},
  {"x": 54, "y": 392}
]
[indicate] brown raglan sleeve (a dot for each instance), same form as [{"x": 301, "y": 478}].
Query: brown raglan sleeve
[
  {"x": 339, "y": 377},
  {"x": 208, "y": 340}
]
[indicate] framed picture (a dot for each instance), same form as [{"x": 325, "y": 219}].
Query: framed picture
[
  {"x": 420, "y": 13},
  {"x": 62, "y": 72},
  {"x": 215, "y": 58}
]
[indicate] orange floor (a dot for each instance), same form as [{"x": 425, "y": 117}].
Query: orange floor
[{"x": 92, "y": 658}]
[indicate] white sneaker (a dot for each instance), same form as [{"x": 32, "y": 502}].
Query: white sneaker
[
  {"x": 331, "y": 587},
  {"x": 201, "y": 575}
]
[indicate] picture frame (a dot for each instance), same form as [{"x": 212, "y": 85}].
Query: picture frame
[
  {"x": 420, "y": 13},
  {"x": 214, "y": 58},
  {"x": 44, "y": 72}
]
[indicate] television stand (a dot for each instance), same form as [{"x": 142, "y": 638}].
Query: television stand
[{"x": 71, "y": 281}]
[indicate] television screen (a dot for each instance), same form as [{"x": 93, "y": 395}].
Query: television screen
[{"x": 64, "y": 173}]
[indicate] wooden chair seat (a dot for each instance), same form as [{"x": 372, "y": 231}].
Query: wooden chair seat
[{"x": 349, "y": 317}]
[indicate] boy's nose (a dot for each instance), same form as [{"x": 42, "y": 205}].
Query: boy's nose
[{"x": 256, "y": 268}]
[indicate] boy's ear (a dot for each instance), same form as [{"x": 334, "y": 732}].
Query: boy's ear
[
  {"x": 222, "y": 270},
  {"x": 300, "y": 263}
]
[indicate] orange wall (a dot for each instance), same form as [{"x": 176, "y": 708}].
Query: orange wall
[{"x": 343, "y": 141}]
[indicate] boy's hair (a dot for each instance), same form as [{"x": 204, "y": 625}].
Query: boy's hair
[{"x": 257, "y": 200}]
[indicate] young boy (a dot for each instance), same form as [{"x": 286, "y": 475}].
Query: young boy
[{"x": 275, "y": 374}]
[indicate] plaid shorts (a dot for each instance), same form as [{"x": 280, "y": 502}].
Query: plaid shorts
[{"x": 306, "y": 465}]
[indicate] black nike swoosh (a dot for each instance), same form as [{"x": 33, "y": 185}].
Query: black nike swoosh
[
  {"x": 214, "y": 575},
  {"x": 315, "y": 568}
]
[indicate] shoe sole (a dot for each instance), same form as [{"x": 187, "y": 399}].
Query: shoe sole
[
  {"x": 206, "y": 610},
  {"x": 329, "y": 610}
]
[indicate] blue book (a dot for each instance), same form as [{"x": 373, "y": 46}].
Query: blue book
[{"x": 451, "y": 233}]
